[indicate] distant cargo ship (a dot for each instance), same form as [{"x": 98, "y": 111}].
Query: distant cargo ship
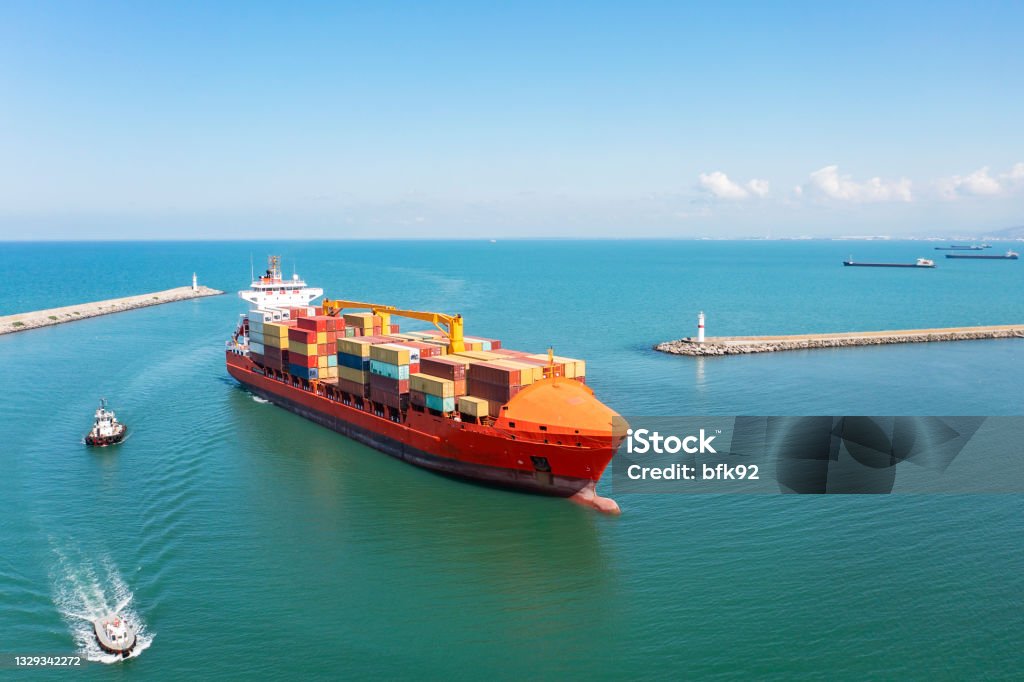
[
  {"x": 1009, "y": 255},
  {"x": 920, "y": 263},
  {"x": 957, "y": 247},
  {"x": 437, "y": 399}
]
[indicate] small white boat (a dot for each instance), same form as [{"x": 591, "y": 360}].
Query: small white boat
[{"x": 114, "y": 634}]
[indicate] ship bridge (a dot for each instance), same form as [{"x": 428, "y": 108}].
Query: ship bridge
[{"x": 271, "y": 290}]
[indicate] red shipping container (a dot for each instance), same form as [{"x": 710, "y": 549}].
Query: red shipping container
[
  {"x": 418, "y": 398},
  {"x": 323, "y": 349},
  {"x": 393, "y": 329},
  {"x": 377, "y": 330},
  {"x": 414, "y": 368},
  {"x": 317, "y": 323},
  {"x": 443, "y": 368},
  {"x": 332, "y": 336},
  {"x": 399, "y": 401},
  {"x": 302, "y": 335},
  {"x": 495, "y": 374},
  {"x": 271, "y": 353},
  {"x": 493, "y": 392},
  {"x": 332, "y": 323},
  {"x": 389, "y": 385},
  {"x": 354, "y": 388},
  {"x": 257, "y": 358},
  {"x": 302, "y": 360},
  {"x": 460, "y": 387},
  {"x": 427, "y": 350}
]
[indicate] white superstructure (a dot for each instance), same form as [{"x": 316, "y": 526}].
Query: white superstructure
[
  {"x": 105, "y": 424},
  {"x": 106, "y": 430},
  {"x": 270, "y": 290}
]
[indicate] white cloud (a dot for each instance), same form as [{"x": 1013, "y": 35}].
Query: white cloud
[
  {"x": 981, "y": 183},
  {"x": 719, "y": 185},
  {"x": 759, "y": 188},
  {"x": 827, "y": 182}
]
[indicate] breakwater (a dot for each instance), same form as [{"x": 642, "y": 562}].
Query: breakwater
[
  {"x": 44, "y": 318},
  {"x": 737, "y": 345}
]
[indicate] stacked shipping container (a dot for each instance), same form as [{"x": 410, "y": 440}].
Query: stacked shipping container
[
  {"x": 390, "y": 367},
  {"x": 397, "y": 370}
]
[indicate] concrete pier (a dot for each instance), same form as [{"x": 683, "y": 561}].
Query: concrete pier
[
  {"x": 736, "y": 345},
  {"x": 44, "y": 318}
]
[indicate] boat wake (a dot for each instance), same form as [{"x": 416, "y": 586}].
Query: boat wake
[
  {"x": 82, "y": 592},
  {"x": 261, "y": 401}
]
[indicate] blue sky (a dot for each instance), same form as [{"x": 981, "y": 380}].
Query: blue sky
[{"x": 334, "y": 120}]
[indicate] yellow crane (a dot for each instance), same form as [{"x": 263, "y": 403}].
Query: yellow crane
[{"x": 449, "y": 324}]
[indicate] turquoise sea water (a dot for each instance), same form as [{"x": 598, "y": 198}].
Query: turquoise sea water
[{"x": 254, "y": 543}]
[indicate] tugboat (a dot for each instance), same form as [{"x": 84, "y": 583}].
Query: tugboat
[
  {"x": 114, "y": 634},
  {"x": 106, "y": 430}
]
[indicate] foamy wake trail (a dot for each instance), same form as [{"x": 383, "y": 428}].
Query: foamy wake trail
[
  {"x": 262, "y": 401},
  {"x": 84, "y": 591}
]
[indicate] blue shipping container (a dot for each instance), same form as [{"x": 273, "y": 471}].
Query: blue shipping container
[
  {"x": 354, "y": 362},
  {"x": 304, "y": 372},
  {"x": 440, "y": 404},
  {"x": 386, "y": 369}
]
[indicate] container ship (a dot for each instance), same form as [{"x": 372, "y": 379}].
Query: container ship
[
  {"x": 920, "y": 263},
  {"x": 458, "y": 405},
  {"x": 1009, "y": 255}
]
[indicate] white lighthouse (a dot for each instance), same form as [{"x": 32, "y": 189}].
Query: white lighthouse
[
  {"x": 700, "y": 327},
  {"x": 195, "y": 285}
]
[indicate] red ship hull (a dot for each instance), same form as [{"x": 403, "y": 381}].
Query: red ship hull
[{"x": 497, "y": 455}]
